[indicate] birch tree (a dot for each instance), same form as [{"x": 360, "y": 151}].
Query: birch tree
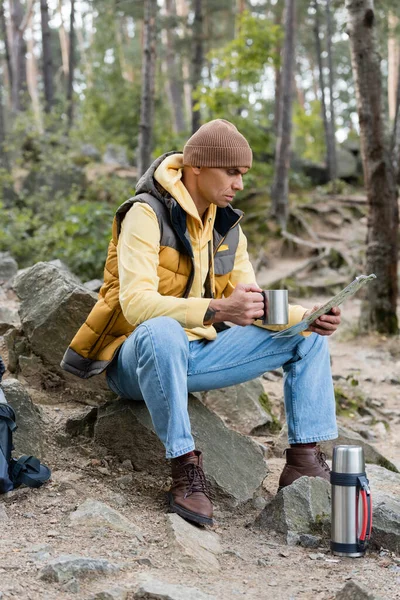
[
  {"x": 280, "y": 186},
  {"x": 379, "y": 307},
  {"x": 148, "y": 86}
]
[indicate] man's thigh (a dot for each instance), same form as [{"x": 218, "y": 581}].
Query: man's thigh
[{"x": 240, "y": 354}]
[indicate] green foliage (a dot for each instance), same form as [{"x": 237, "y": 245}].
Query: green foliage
[
  {"x": 56, "y": 212},
  {"x": 244, "y": 59},
  {"x": 309, "y": 140}
]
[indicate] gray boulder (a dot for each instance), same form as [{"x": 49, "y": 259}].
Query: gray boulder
[
  {"x": 8, "y": 317},
  {"x": 154, "y": 589},
  {"x": 301, "y": 508},
  {"x": 354, "y": 591},
  {"x": 243, "y": 407},
  {"x": 89, "y": 151},
  {"x": 53, "y": 307},
  {"x": 65, "y": 567},
  {"x": 115, "y": 155},
  {"x": 347, "y": 167},
  {"x": 29, "y": 437},
  {"x": 346, "y": 437},
  {"x": 97, "y": 514},
  {"x": 234, "y": 464},
  {"x": 386, "y": 522},
  {"x": 8, "y": 266},
  {"x": 194, "y": 547},
  {"x": 93, "y": 285}
]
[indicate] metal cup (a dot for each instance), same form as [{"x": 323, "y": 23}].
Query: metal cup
[{"x": 276, "y": 307}]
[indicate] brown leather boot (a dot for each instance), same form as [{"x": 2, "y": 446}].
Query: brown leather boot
[
  {"x": 189, "y": 496},
  {"x": 303, "y": 461}
]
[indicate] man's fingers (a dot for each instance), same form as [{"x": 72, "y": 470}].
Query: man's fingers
[{"x": 249, "y": 287}]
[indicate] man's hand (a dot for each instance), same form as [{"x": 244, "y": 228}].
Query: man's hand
[
  {"x": 325, "y": 324},
  {"x": 242, "y": 307}
]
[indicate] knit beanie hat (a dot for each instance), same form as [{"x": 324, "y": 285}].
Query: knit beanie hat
[{"x": 217, "y": 144}]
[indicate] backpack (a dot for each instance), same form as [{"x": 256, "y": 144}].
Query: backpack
[{"x": 27, "y": 470}]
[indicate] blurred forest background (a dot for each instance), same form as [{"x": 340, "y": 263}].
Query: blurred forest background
[{"x": 92, "y": 90}]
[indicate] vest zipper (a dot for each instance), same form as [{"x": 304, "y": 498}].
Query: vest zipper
[{"x": 224, "y": 238}]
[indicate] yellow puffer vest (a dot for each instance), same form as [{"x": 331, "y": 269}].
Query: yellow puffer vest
[{"x": 105, "y": 329}]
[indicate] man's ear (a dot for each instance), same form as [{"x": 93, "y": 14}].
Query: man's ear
[{"x": 196, "y": 170}]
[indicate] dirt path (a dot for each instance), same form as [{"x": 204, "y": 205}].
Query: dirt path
[{"x": 254, "y": 564}]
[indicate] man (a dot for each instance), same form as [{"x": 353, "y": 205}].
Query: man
[{"x": 177, "y": 268}]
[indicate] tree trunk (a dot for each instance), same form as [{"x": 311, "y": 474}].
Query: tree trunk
[
  {"x": 280, "y": 186},
  {"x": 47, "y": 58},
  {"x": 148, "y": 83},
  {"x": 174, "y": 77},
  {"x": 322, "y": 89},
  {"x": 71, "y": 67},
  {"x": 396, "y": 133},
  {"x": 197, "y": 60},
  {"x": 64, "y": 44},
  {"x": 182, "y": 10},
  {"x": 19, "y": 84},
  {"x": 379, "y": 307},
  {"x": 393, "y": 63},
  {"x": 32, "y": 77},
  {"x": 277, "y": 70},
  {"x": 4, "y": 34},
  {"x": 4, "y": 164},
  {"x": 332, "y": 166}
]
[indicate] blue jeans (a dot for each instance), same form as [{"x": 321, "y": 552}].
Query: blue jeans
[{"x": 159, "y": 365}]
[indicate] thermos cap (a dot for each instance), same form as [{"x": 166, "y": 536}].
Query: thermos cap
[{"x": 348, "y": 459}]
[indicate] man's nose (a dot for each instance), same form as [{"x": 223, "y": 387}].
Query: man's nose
[{"x": 238, "y": 183}]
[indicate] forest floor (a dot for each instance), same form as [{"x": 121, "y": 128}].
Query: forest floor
[{"x": 254, "y": 564}]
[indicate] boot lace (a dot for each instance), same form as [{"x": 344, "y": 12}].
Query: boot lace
[
  {"x": 321, "y": 457},
  {"x": 197, "y": 480}
]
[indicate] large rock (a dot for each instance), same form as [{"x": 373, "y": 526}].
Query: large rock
[
  {"x": 115, "y": 155},
  {"x": 301, "y": 508},
  {"x": 29, "y": 437},
  {"x": 97, "y": 514},
  {"x": 196, "y": 548},
  {"x": 234, "y": 464},
  {"x": 346, "y": 437},
  {"x": 65, "y": 567},
  {"x": 386, "y": 522},
  {"x": 154, "y": 589},
  {"x": 354, "y": 591},
  {"x": 8, "y": 266},
  {"x": 347, "y": 167},
  {"x": 53, "y": 307},
  {"x": 243, "y": 407}
]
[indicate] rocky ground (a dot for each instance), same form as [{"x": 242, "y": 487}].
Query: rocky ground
[{"x": 100, "y": 529}]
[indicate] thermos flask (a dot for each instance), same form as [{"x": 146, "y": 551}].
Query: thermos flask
[{"x": 351, "y": 502}]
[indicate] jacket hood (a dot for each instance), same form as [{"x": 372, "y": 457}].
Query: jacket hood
[{"x": 147, "y": 184}]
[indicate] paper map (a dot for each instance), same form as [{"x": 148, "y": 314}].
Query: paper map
[{"x": 348, "y": 291}]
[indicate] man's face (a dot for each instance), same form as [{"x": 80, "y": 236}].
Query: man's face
[{"x": 219, "y": 186}]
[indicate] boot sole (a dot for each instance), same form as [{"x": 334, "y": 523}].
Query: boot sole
[{"x": 188, "y": 514}]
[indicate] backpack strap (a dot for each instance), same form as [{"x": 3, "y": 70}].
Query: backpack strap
[
  {"x": 28, "y": 470},
  {"x": 7, "y": 413}
]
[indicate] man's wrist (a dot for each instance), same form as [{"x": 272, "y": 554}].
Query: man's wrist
[{"x": 212, "y": 314}]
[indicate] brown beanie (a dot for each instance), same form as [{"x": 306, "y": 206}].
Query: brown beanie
[{"x": 217, "y": 144}]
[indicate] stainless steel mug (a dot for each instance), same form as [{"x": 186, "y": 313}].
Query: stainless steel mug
[
  {"x": 351, "y": 502},
  {"x": 276, "y": 307}
]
